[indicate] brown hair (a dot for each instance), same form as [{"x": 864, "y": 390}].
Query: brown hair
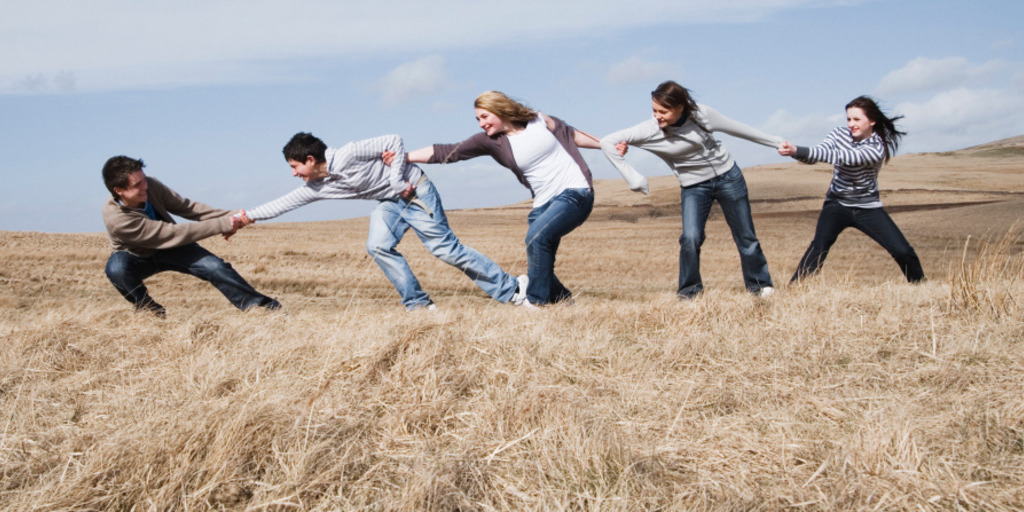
[
  {"x": 672, "y": 95},
  {"x": 508, "y": 109}
]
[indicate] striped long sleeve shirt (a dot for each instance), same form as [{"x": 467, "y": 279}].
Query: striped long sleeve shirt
[
  {"x": 855, "y": 166},
  {"x": 354, "y": 171}
]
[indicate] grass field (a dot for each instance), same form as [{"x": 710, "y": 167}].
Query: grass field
[{"x": 850, "y": 391}]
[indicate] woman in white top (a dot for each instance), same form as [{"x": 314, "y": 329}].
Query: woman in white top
[
  {"x": 681, "y": 134},
  {"x": 542, "y": 152}
]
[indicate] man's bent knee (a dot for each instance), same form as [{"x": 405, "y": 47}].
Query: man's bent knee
[
  {"x": 117, "y": 266},
  {"x": 376, "y": 251},
  {"x": 211, "y": 264}
]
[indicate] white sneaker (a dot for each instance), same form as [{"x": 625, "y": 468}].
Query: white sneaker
[
  {"x": 766, "y": 292},
  {"x": 520, "y": 296},
  {"x": 428, "y": 307}
]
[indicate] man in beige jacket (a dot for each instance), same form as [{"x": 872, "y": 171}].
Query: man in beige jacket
[{"x": 146, "y": 239}]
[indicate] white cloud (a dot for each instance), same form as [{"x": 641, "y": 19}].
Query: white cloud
[
  {"x": 104, "y": 43},
  {"x": 962, "y": 117},
  {"x": 952, "y": 110},
  {"x": 924, "y": 74},
  {"x": 413, "y": 80},
  {"x": 635, "y": 69}
]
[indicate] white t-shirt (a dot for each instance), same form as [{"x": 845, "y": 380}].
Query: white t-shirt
[{"x": 546, "y": 165}]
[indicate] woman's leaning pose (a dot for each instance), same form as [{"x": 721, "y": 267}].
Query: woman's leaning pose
[
  {"x": 682, "y": 134},
  {"x": 542, "y": 152}
]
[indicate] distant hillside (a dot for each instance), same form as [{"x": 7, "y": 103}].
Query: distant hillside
[{"x": 1011, "y": 147}]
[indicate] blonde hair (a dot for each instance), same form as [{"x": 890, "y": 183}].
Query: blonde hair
[{"x": 508, "y": 109}]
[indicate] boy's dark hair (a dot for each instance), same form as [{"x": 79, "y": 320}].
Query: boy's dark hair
[
  {"x": 116, "y": 171},
  {"x": 305, "y": 145}
]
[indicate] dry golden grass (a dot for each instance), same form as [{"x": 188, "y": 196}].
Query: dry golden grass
[{"x": 850, "y": 391}]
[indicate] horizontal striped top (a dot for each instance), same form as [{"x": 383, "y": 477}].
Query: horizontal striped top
[
  {"x": 855, "y": 166},
  {"x": 354, "y": 171}
]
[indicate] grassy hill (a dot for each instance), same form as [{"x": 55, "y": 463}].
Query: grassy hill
[{"x": 850, "y": 391}]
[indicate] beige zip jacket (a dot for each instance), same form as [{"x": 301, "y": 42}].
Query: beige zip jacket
[{"x": 130, "y": 229}]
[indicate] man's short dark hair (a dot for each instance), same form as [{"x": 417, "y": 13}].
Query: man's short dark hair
[
  {"x": 304, "y": 145},
  {"x": 116, "y": 172}
]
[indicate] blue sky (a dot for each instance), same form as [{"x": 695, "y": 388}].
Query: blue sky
[{"x": 207, "y": 92}]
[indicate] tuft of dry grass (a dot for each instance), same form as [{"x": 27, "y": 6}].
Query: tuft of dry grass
[{"x": 989, "y": 284}]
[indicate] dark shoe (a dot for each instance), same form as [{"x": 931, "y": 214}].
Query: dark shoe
[{"x": 151, "y": 306}]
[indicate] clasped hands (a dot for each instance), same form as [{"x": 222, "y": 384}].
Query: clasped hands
[{"x": 238, "y": 221}]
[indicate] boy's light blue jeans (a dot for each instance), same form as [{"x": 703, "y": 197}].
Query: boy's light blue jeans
[{"x": 391, "y": 219}]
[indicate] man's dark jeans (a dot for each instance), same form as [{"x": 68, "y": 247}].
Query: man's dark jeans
[{"x": 127, "y": 271}]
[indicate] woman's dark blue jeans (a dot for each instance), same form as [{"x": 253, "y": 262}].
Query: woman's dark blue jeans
[
  {"x": 548, "y": 224},
  {"x": 730, "y": 190},
  {"x": 873, "y": 222},
  {"x": 126, "y": 272}
]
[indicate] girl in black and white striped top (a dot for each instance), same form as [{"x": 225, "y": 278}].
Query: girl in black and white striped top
[{"x": 857, "y": 153}]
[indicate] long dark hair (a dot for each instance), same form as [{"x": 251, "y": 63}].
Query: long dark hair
[
  {"x": 885, "y": 126},
  {"x": 672, "y": 95}
]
